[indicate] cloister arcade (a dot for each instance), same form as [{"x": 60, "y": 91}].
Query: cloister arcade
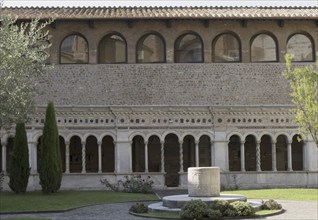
[{"x": 174, "y": 153}]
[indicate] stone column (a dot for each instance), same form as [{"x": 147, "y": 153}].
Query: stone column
[
  {"x": 4, "y": 157},
  {"x": 162, "y": 156},
  {"x": 83, "y": 157},
  {"x": 33, "y": 157},
  {"x": 99, "y": 156},
  {"x": 67, "y": 157},
  {"x": 212, "y": 154},
  {"x": 146, "y": 157},
  {"x": 116, "y": 162},
  {"x": 305, "y": 167},
  {"x": 197, "y": 162},
  {"x": 181, "y": 156},
  {"x": 242, "y": 156},
  {"x": 289, "y": 156},
  {"x": 258, "y": 155},
  {"x": 130, "y": 157},
  {"x": 274, "y": 166}
]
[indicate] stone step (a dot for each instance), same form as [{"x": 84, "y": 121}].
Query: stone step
[
  {"x": 158, "y": 207},
  {"x": 178, "y": 201}
]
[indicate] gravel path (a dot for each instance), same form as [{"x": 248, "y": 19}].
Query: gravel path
[{"x": 295, "y": 210}]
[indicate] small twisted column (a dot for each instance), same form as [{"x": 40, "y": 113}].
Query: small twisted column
[
  {"x": 289, "y": 156},
  {"x": 162, "y": 156},
  {"x": 274, "y": 166},
  {"x": 146, "y": 157},
  {"x": 197, "y": 164},
  {"x": 67, "y": 157},
  {"x": 181, "y": 156},
  {"x": 242, "y": 149},
  {"x": 4, "y": 158},
  {"x": 99, "y": 156},
  {"x": 258, "y": 155},
  {"x": 83, "y": 157}
]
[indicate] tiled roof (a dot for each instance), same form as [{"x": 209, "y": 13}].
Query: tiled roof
[{"x": 162, "y": 12}]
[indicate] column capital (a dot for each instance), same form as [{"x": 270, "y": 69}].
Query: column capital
[
  {"x": 273, "y": 142},
  {"x": 67, "y": 142},
  {"x": 146, "y": 142},
  {"x": 243, "y": 142},
  {"x": 83, "y": 142},
  {"x": 197, "y": 141},
  {"x": 181, "y": 142},
  {"x": 162, "y": 142},
  {"x": 99, "y": 142},
  {"x": 258, "y": 142}
]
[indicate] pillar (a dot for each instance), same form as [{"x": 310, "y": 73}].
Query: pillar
[
  {"x": 212, "y": 154},
  {"x": 242, "y": 156},
  {"x": 181, "y": 156},
  {"x": 146, "y": 157},
  {"x": 4, "y": 157},
  {"x": 83, "y": 157},
  {"x": 162, "y": 156},
  {"x": 221, "y": 154},
  {"x": 258, "y": 155},
  {"x": 289, "y": 156},
  {"x": 67, "y": 157},
  {"x": 274, "y": 164},
  {"x": 197, "y": 163},
  {"x": 99, "y": 156},
  {"x": 130, "y": 157},
  {"x": 33, "y": 157}
]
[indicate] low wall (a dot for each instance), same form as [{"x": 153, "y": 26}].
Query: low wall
[{"x": 229, "y": 180}]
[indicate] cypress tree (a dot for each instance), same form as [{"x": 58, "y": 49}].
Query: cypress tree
[
  {"x": 19, "y": 165},
  {"x": 50, "y": 164}
]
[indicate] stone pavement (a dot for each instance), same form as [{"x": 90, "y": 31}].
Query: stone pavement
[{"x": 295, "y": 210}]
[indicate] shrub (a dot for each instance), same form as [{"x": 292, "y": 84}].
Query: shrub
[
  {"x": 220, "y": 205},
  {"x": 195, "y": 209},
  {"x": 50, "y": 163},
  {"x": 19, "y": 165},
  {"x": 239, "y": 208},
  {"x": 134, "y": 184},
  {"x": 1, "y": 180},
  {"x": 213, "y": 214},
  {"x": 271, "y": 205},
  {"x": 139, "y": 208}
]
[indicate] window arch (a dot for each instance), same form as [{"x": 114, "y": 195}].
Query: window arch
[
  {"x": 188, "y": 48},
  {"x": 151, "y": 49},
  {"x": 234, "y": 148},
  {"x": 301, "y": 46},
  {"x": 226, "y": 48},
  {"x": 74, "y": 49},
  {"x": 112, "y": 49},
  {"x": 138, "y": 154},
  {"x": 263, "y": 48}
]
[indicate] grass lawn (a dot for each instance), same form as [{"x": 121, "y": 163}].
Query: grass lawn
[
  {"x": 284, "y": 194},
  {"x": 36, "y": 201}
]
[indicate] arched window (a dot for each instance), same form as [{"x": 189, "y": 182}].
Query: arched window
[
  {"x": 266, "y": 153},
  {"x": 108, "y": 154},
  {"x": 150, "y": 49},
  {"x": 112, "y": 49},
  {"x": 297, "y": 153},
  {"x": 9, "y": 147},
  {"x": 91, "y": 154},
  {"x": 75, "y": 155},
  {"x": 235, "y": 153},
  {"x": 250, "y": 153},
  {"x": 226, "y": 48},
  {"x": 205, "y": 151},
  {"x": 263, "y": 49},
  {"x": 188, "y": 150},
  {"x": 301, "y": 47},
  {"x": 62, "y": 152},
  {"x": 138, "y": 154},
  {"x": 154, "y": 154},
  {"x": 281, "y": 153},
  {"x": 188, "y": 49},
  {"x": 74, "y": 49}
]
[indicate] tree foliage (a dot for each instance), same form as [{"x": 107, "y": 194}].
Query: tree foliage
[
  {"x": 304, "y": 84},
  {"x": 23, "y": 52},
  {"x": 19, "y": 165},
  {"x": 50, "y": 164}
]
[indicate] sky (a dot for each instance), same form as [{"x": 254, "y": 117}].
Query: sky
[{"x": 96, "y": 3}]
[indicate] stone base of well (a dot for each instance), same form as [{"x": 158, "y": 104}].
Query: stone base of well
[{"x": 203, "y": 181}]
